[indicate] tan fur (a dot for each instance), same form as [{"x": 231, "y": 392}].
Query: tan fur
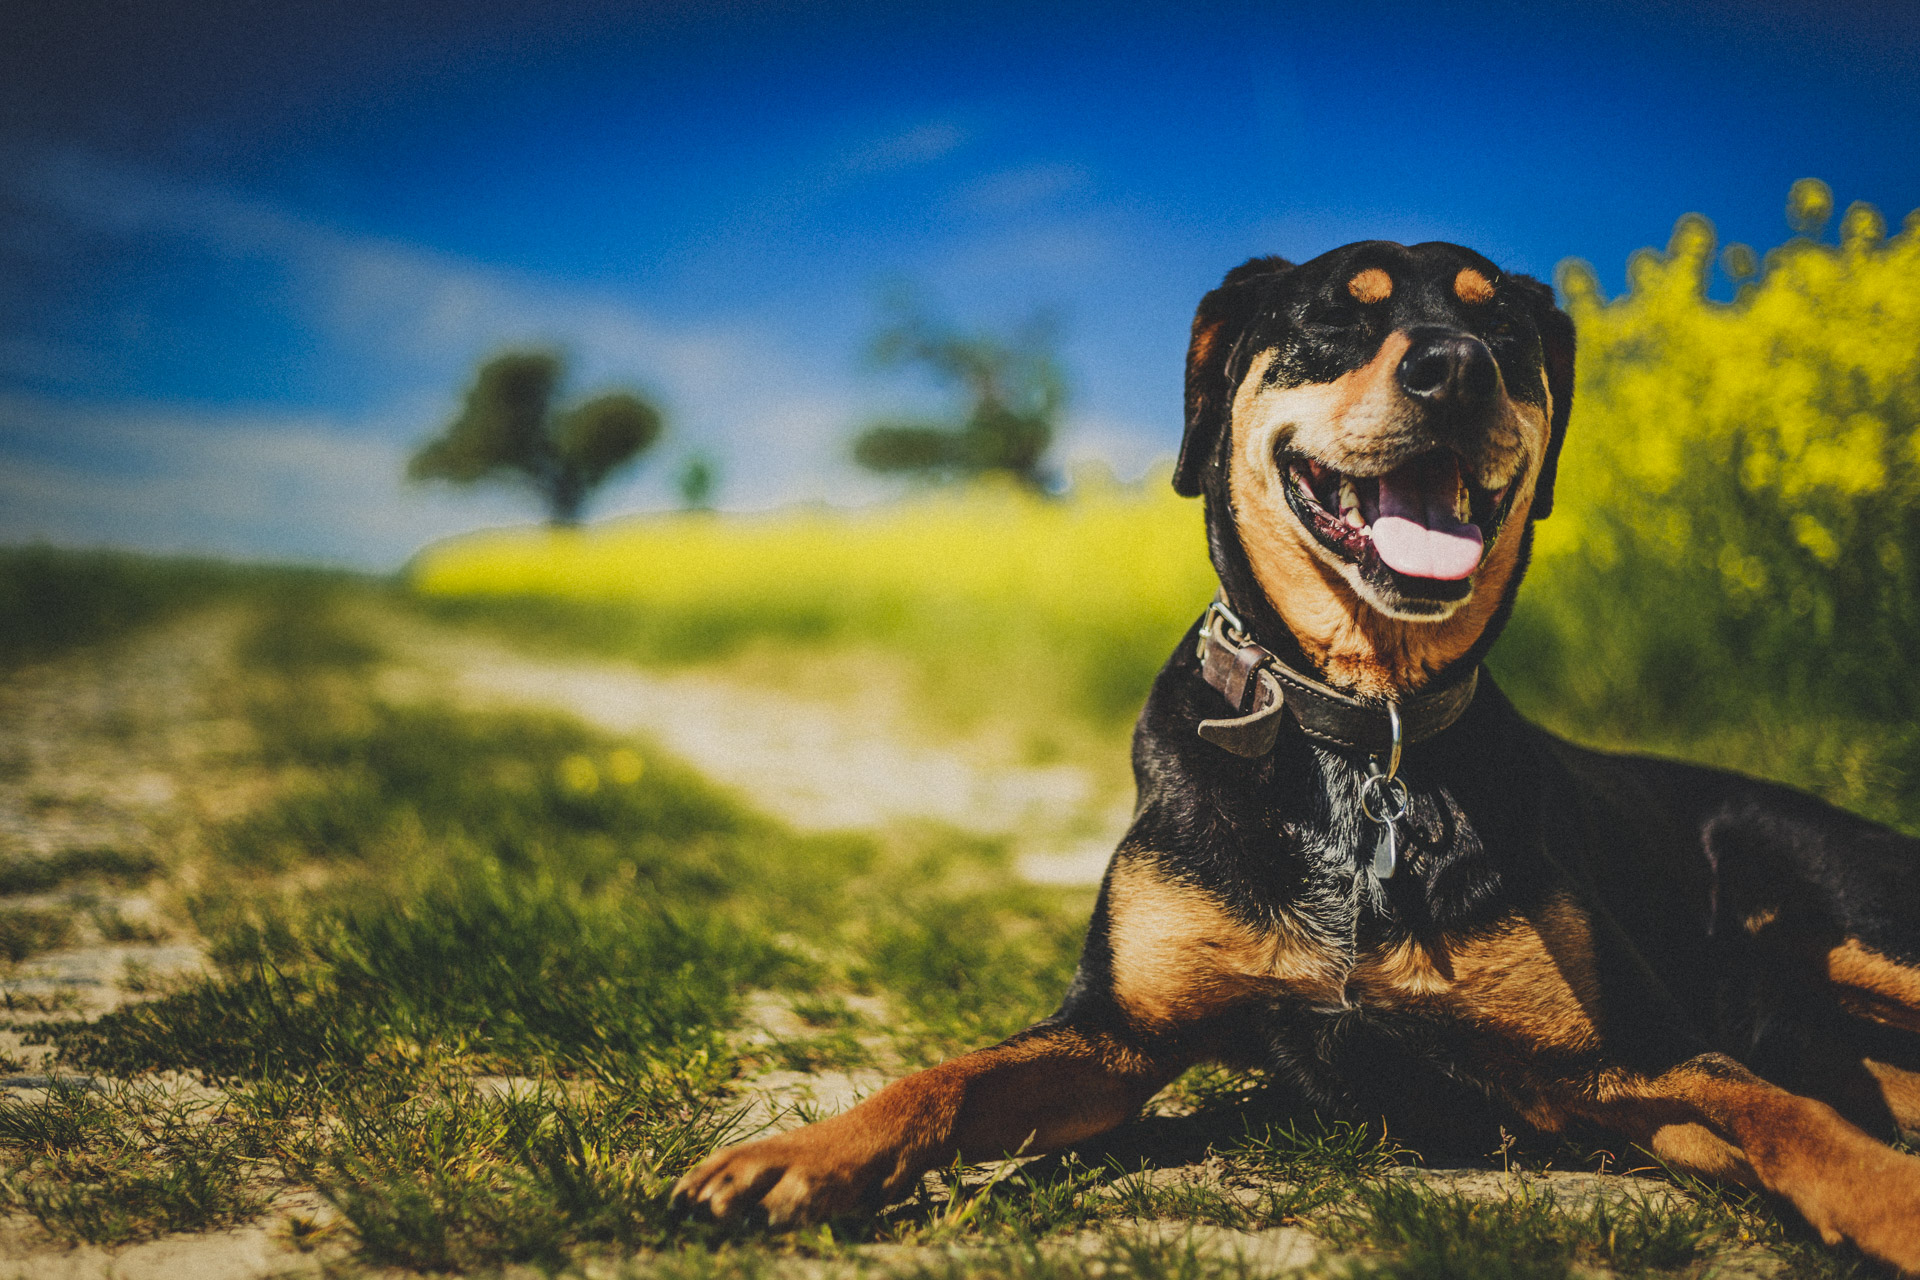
[
  {"x": 1696, "y": 1149},
  {"x": 1037, "y": 1092},
  {"x": 1846, "y": 1184},
  {"x": 1200, "y": 350},
  {"x": 1899, "y": 1090},
  {"x": 1321, "y": 598},
  {"x": 1872, "y": 986},
  {"x": 1371, "y": 286},
  {"x": 1530, "y": 979},
  {"x": 1472, "y": 287},
  {"x": 1180, "y": 958}
]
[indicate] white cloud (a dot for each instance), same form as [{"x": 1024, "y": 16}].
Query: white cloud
[
  {"x": 239, "y": 485},
  {"x": 776, "y": 420},
  {"x": 1129, "y": 449},
  {"x": 290, "y": 483},
  {"x": 1018, "y": 190},
  {"x": 917, "y": 145}
]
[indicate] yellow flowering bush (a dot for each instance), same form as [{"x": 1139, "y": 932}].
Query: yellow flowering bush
[{"x": 1738, "y": 530}]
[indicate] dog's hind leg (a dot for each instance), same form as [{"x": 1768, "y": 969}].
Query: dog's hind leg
[
  {"x": 1713, "y": 1117},
  {"x": 1048, "y": 1087},
  {"x": 1884, "y": 995}
]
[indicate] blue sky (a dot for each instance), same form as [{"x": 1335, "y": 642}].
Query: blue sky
[{"x": 250, "y": 252}]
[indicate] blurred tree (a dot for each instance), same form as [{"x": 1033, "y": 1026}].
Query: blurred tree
[
  {"x": 508, "y": 430},
  {"x": 1014, "y": 390},
  {"x": 698, "y": 478}
]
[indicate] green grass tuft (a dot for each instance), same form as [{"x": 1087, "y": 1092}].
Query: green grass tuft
[
  {"x": 69, "y": 866},
  {"x": 27, "y": 931},
  {"x": 128, "y": 1165}
]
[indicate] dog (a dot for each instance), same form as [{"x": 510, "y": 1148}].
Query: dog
[{"x": 1353, "y": 863}]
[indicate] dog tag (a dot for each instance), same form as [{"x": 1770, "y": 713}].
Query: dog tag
[
  {"x": 1386, "y": 852},
  {"x": 1383, "y": 799}
]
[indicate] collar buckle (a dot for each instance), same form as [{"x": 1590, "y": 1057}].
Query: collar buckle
[{"x": 1242, "y": 671}]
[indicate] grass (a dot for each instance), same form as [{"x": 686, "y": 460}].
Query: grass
[
  {"x": 129, "y": 1164},
  {"x": 434, "y": 900},
  {"x": 1436, "y": 1234},
  {"x": 69, "y": 866},
  {"x": 53, "y": 600},
  {"x": 479, "y": 981},
  {"x": 27, "y": 931}
]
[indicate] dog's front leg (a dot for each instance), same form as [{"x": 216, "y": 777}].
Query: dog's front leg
[{"x": 1052, "y": 1085}]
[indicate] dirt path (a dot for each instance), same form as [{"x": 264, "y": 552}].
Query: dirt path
[{"x": 113, "y": 754}]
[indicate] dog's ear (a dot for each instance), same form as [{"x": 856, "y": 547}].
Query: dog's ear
[
  {"x": 1556, "y": 347},
  {"x": 1217, "y": 325}
]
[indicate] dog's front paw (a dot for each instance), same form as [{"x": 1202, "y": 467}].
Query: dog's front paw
[{"x": 805, "y": 1176}]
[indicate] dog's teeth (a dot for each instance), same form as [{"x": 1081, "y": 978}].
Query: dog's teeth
[
  {"x": 1349, "y": 499},
  {"x": 1462, "y": 502}
]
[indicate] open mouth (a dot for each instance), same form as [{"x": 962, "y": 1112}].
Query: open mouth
[{"x": 1421, "y": 528}]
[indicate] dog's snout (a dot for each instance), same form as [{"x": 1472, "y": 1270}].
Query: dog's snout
[{"x": 1449, "y": 370}]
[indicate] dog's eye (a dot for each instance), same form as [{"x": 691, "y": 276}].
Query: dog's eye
[{"x": 1333, "y": 314}]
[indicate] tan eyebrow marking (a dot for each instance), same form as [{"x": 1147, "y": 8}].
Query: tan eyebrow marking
[
  {"x": 1471, "y": 286},
  {"x": 1371, "y": 285}
]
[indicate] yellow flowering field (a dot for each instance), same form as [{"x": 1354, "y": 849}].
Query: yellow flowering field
[{"x": 998, "y": 593}]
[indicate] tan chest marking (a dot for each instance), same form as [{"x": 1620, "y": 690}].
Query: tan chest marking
[
  {"x": 1180, "y": 958},
  {"x": 1531, "y": 978}
]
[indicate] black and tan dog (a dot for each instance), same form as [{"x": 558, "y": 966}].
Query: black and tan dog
[{"x": 1353, "y": 862}]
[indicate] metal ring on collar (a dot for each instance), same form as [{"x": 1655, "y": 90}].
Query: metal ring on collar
[
  {"x": 1378, "y": 788},
  {"x": 1217, "y": 614}
]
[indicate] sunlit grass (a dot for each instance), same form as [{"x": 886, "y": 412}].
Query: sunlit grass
[{"x": 438, "y": 899}]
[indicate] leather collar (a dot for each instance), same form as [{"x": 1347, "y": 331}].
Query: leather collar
[{"x": 1258, "y": 687}]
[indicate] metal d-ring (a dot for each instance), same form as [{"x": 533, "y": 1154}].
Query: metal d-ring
[
  {"x": 1380, "y": 785},
  {"x": 1377, "y": 790},
  {"x": 1217, "y": 613},
  {"x": 1393, "y": 759}
]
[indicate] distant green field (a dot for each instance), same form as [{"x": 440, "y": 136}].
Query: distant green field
[
  {"x": 52, "y": 600},
  {"x": 999, "y": 598}
]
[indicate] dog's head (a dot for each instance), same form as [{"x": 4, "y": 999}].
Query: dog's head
[{"x": 1375, "y": 432}]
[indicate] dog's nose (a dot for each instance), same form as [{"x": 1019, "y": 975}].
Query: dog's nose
[{"x": 1449, "y": 370}]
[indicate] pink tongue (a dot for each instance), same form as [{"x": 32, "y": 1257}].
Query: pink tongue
[{"x": 1416, "y": 532}]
